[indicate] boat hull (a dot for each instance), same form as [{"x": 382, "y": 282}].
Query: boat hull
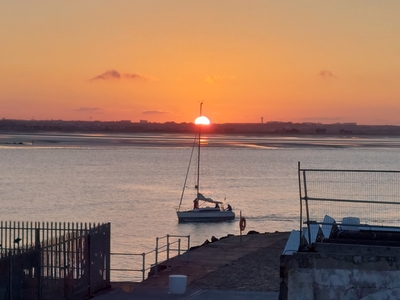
[{"x": 205, "y": 216}]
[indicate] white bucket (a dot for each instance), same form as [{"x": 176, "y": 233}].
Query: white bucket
[{"x": 177, "y": 284}]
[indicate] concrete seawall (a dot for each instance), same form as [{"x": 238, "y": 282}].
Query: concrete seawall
[
  {"x": 243, "y": 264},
  {"x": 342, "y": 271}
]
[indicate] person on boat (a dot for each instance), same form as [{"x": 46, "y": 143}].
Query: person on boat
[
  {"x": 216, "y": 205},
  {"x": 229, "y": 208},
  {"x": 195, "y": 203}
]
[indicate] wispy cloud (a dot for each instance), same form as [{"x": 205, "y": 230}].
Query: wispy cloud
[
  {"x": 110, "y": 74},
  {"x": 214, "y": 78},
  {"x": 115, "y": 75},
  {"x": 326, "y": 74},
  {"x": 155, "y": 112},
  {"x": 211, "y": 79},
  {"x": 89, "y": 109}
]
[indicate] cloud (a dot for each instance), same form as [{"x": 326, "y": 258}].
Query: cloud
[
  {"x": 211, "y": 79},
  {"x": 155, "y": 112},
  {"x": 134, "y": 76},
  {"x": 107, "y": 75},
  {"x": 89, "y": 109},
  {"x": 326, "y": 74},
  {"x": 115, "y": 75}
]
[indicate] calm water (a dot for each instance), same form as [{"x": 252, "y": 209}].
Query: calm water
[{"x": 135, "y": 182}]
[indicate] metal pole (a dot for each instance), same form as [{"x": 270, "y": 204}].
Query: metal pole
[
  {"x": 144, "y": 265},
  {"x": 307, "y": 208},
  {"x": 167, "y": 246},
  {"x": 108, "y": 261},
  {"x": 188, "y": 248},
  {"x": 89, "y": 264},
  {"x": 38, "y": 271},
  {"x": 301, "y": 200},
  {"x": 179, "y": 248},
  {"x": 198, "y": 156},
  {"x": 156, "y": 258},
  {"x": 240, "y": 227},
  {"x": 11, "y": 276}
]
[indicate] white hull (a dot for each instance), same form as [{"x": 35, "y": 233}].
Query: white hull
[{"x": 205, "y": 215}]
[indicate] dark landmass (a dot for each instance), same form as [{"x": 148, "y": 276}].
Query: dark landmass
[{"x": 269, "y": 128}]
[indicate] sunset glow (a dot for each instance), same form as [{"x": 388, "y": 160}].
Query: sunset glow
[
  {"x": 202, "y": 121},
  {"x": 249, "y": 61}
]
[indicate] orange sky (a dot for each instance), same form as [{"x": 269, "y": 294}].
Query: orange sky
[{"x": 299, "y": 61}]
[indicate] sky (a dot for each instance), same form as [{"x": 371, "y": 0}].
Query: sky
[{"x": 247, "y": 60}]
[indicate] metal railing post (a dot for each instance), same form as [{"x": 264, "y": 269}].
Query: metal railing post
[
  {"x": 144, "y": 265},
  {"x": 156, "y": 259},
  {"x": 188, "y": 248},
  {"x": 179, "y": 252},
  {"x": 10, "y": 274},
  {"x": 159, "y": 248},
  {"x": 167, "y": 246},
  {"x": 89, "y": 266},
  {"x": 38, "y": 271}
]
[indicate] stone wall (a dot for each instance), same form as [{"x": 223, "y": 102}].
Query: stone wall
[{"x": 338, "y": 271}]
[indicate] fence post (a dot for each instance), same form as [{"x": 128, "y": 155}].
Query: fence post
[
  {"x": 179, "y": 251},
  {"x": 167, "y": 246},
  {"x": 188, "y": 248},
  {"x": 38, "y": 270},
  {"x": 144, "y": 265},
  {"x": 108, "y": 264},
  {"x": 156, "y": 259},
  {"x": 10, "y": 273},
  {"x": 88, "y": 263}
]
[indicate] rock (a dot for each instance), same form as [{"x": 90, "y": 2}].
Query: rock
[
  {"x": 205, "y": 242},
  {"x": 213, "y": 239},
  {"x": 253, "y": 232},
  {"x": 159, "y": 268},
  {"x": 229, "y": 235}
]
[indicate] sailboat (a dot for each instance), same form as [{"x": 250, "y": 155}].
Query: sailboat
[{"x": 202, "y": 211}]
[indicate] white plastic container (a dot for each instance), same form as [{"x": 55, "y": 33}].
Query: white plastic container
[{"x": 177, "y": 284}]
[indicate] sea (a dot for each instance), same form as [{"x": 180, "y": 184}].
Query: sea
[{"x": 135, "y": 181}]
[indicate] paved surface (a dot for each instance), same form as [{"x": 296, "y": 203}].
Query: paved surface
[
  {"x": 163, "y": 294},
  {"x": 237, "y": 267}
]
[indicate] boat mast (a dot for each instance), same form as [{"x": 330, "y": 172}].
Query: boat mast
[{"x": 198, "y": 154}]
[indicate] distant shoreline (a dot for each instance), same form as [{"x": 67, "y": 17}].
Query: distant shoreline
[{"x": 270, "y": 128}]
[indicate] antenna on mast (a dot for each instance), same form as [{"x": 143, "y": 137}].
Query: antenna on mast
[{"x": 201, "y": 107}]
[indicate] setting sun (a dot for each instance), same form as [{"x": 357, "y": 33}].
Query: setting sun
[{"x": 202, "y": 121}]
